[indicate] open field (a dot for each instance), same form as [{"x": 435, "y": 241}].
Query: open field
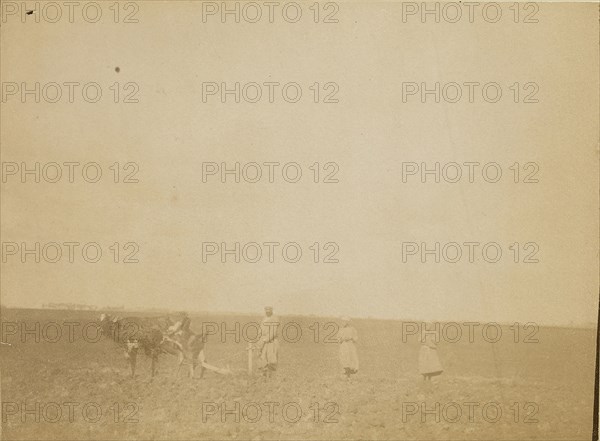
[{"x": 544, "y": 389}]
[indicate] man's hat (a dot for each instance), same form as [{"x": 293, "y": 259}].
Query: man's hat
[{"x": 268, "y": 308}]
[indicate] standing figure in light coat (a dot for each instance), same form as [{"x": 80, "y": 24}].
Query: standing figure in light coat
[
  {"x": 269, "y": 343},
  {"x": 429, "y": 361},
  {"x": 347, "y": 337}
]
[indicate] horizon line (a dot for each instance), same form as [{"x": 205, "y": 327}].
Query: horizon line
[{"x": 92, "y": 308}]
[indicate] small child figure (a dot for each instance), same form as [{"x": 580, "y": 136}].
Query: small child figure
[{"x": 347, "y": 336}]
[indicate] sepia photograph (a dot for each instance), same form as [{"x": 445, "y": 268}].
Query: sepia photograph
[{"x": 299, "y": 220}]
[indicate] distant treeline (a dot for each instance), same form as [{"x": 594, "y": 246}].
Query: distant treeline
[{"x": 81, "y": 307}]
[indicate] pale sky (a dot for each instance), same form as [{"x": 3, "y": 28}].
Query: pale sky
[{"x": 369, "y": 134}]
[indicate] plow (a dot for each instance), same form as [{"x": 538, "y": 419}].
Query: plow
[
  {"x": 227, "y": 370},
  {"x": 222, "y": 371}
]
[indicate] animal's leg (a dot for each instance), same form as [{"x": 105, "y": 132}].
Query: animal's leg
[
  {"x": 132, "y": 356},
  {"x": 201, "y": 360},
  {"x": 180, "y": 357},
  {"x": 154, "y": 361}
]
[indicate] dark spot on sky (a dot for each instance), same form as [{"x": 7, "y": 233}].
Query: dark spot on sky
[
  {"x": 29, "y": 12},
  {"x": 117, "y": 69}
]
